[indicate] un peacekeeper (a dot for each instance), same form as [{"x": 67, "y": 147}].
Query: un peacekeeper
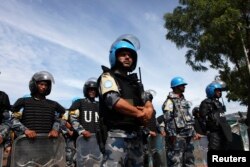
[
  {"x": 122, "y": 107},
  {"x": 198, "y": 125},
  {"x": 36, "y": 114},
  {"x": 211, "y": 111},
  {"x": 153, "y": 129},
  {"x": 84, "y": 112},
  {"x": 4, "y": 116},
  {"x": 67, "y": 131},
  {"x": 179, "y": 126}
]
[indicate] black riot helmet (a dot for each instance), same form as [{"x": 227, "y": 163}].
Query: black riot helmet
[
  {"x": 41, "y": 76},
  {"x": 90, "y": 83},
  {"x": 195, "y": 111},
  {"x": 149, "y": 94}
]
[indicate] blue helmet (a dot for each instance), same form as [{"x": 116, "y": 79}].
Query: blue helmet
[
  {"x": 211, "y": 88},
  {"x": 177, "y": 81},
  {"x": 128, "y": 42},
  {"x": 75, "y": 99}
]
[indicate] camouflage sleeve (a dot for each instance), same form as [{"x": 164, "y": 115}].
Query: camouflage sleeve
[
  {"x": 74, "y": 116},
  {"x": 63, "y": 127},
  {"x": 5, "y": 129},
  {"x": 167, "y": 108},
  {"x": 17, "y": 126},
  {"x": 57, "y": 124},
  {"x": 74, "y": 120}
]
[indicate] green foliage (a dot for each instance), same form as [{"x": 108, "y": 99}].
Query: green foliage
[{"x": 212, "y": 31}]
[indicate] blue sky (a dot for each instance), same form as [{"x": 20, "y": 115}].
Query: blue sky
[{"x": 71, "y": 40}]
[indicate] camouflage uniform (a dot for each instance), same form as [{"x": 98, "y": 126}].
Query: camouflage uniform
[
  {"x": 70, "y": 137},
  {"x": 155, "y": 148},
  {"x": 123, "y": 147},
  {"x": 180, "y": 130},
  {"x": 120, "y": 93}
]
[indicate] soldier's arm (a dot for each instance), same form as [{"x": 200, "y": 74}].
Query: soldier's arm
[
  {"x": 74, "y": 117},
  {"x": 167, "y": 108},
  {"x": 148, "y": 110},
  {"x": 16, "y": 117},
  {"x": 126, "y": 108},
  {"x": 111, "y": 95},
  {"x": 4, "y": 130},
  {"x": 203, "y": 112},
  {"x": 58, "y": 122}
]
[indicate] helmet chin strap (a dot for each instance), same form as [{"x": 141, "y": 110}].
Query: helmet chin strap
[{"x": 223, "y": 104}]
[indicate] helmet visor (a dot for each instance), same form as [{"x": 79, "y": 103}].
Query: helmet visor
[{"x": 130, "y": 38}]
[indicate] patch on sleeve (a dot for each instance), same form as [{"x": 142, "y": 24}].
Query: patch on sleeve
[
  {"x": 18, "y": 115},
  {"x": 169, "y": 106},
  {"x": 108, "y": 84},
  {"x": 75, "y": 112}
]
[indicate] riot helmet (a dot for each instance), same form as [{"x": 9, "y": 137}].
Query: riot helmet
[
  {"x": 41, "y": 76},
  {"x": 126, "y": 42},
  {"x": 217, "y": 79},
  {"x": 75, "y": 99},
  {"x": 177, "y": 81},
  {"x": 149, "y": 94},
  {"x": 195, "y": 111},
  {"x": 90, "y": 83},
  {"x": 210, "y": 89}
]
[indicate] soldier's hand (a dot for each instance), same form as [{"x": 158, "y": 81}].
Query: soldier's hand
[
  {"x": 152, "y": 133},
  {"x": 68, "y": 125},
  {"x": 142, "y": 117},
  {"x": 141, "y": 114},
  {"x": 30, "y": 134},
  {"x": 86, "y": 134},
  {"x": 53, "y": 133},
  {"x": 147, "y": 112},
  {"x": 197, "y": 136},
  {"x": 70, "y": 132},
  {"x": 163, "y": 133}
]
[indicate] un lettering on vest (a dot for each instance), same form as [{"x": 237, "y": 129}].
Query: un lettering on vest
[{"x": 88, "y": 115}]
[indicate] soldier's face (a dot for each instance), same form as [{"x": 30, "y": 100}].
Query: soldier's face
[
  {"x": 180, "y": 88},
  {"x": 217, "y": 93},
  {"x": 92, "y": 92},
  {"x": 42, "y": 87},
  {"x": 125, "y": 58}
]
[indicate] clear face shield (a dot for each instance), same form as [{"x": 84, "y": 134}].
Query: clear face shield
[
  {"x": 218, "y": 80},
  {"x": 152, "y": 92},
  {"x": 92, "y": 79},
  {"x": 43, "y": 76},
  {"x": 130, "y": 38}
]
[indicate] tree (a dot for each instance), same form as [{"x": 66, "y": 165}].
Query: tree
[{"x": 217, "y": 35}]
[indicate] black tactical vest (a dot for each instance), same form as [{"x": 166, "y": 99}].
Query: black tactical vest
[
  {"x": 88, "y": 117},
  {"x": 130, "y": 91},
  {"x": 39, "y": 115},
  {"x": 215, "y": 109}
]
